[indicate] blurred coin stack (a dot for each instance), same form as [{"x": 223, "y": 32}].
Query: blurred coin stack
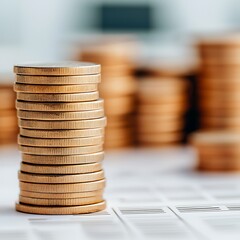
[
  {"x": 217, "y": 150},
  {"x": 8, "y": 116},
  {"x": 118, "y": 89},
  {"x": 219, "y": 83},
  {"x": 61, "y": 120},
  {"x": 162, "y": 105}
]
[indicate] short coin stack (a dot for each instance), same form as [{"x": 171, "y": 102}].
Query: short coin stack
[
  {"x": 8, "y": 116},
  {"x": 217, "y": 150},
  {"x": 162, "y": 105},
  {"x": 219, "y": 83},
  {"x": 61, "y": 120},
  {"x": 118, "y": 89}
]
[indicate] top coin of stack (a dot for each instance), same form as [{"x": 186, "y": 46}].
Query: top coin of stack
[
  {"x": 219, "y": 88},
  {"x": 162, "y": 105},
  {"x": 8, "y": 116},
  {"x": 61, "y": 120},
  {"x": 118, "y": 88},
  {"x": 217, "y": 150}
]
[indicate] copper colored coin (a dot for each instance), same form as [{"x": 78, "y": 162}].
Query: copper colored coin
[
  {"x": 60, "y": 142},
  {"x": 60, "y": 202},
  {"x": 60, "y": 151},
  {"x": 59, "y": 80},
  {"x": 60, "y": 210},
  {"x": 62, "y": 134},
  {"x": 61, "y": 195},
  {"x": 27, "y": 88},
  {"x": 70, "y": 178},
  {"x": 61, "y": 169},
  {"x": 58, "y": 97},
  {"x": 59, "y": 125},
  {"x": 63, "y": 160},
  {"x": 62, "y": 188},
  {"x": 59, "y": 116},
  {"x": 59, "y": 107},
  {"x": 59, "y": 68}
]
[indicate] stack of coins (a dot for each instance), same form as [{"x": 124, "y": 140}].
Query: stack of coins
[
  {"x": 162, "y": 105},
  {"x": 8, "y": 116},
  {"x": 61, "y": 120},
  {"x": 118, "y": 89},
  {"x": 217, "y": 150},
  {"x": 219, "y": 88}
]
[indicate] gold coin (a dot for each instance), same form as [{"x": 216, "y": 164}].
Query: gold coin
[
  {"x": 61, "y": 151},
  {"x": 98, "y": 113},
  {"x": 63, "y": 160},
  {"x": 59, "y": 80},
  {"x": 162, "y": 100},
  {"x": 162, "y": 109},
  {"x": 61, "y": 210},
  {"x": 155, "y": 86},
  {"x": 63, "y": 188},
  {"x": 152, "y": 118},
  {"x": 220, "y": 122},
  {"x": 82, "y": 124},
  {"x": 26, "y": 88},
  {"x": 56, "y": 134},
  {"x": 58, "y": 97},
  {"x": 160, "y": 137},
  {"x": 119, "y": 105},
  {"x": 69, "y": 142},
  {"x": 219, "y": 164},
  {"x": 7, "y": 97},
  {"x": 72, "y": 178},
  {"x": 60, "y": 202},
  {"x": 118, "y": 86},
  {"x": 61, "y": 195},
  {"x": 164, "y": 127},
  {"x": 60, "y": 68},
  {"x": 230, "y": 72},
  {"x": 8, "y": 112},
  {"x": 119, "y": 143},
  {"x": 8, "y": 122},
  {"x": 61, "y": 169},
  {"x": 76, "y": 106},
  {"x": 211, "y": 138},
  {"x": 119, "y": 121}
]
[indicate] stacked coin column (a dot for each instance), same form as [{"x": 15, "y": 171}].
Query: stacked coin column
[
  {"x": 219, "y": 88},
  {"x": 8, "y": 116},
  {"x": 162, "y": 105},
  {"x": 118, "y": 89},
  {"x": 61, "y": 120},
  {"x": 217, "y": 150}
]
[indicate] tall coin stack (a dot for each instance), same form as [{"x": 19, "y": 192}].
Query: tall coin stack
[
  {"x": 219, "y": 83},
  {"x": 118, "y": 89},
  {"x": 162, "y": 105},
  {"x": 61, "y": 120},
  {"x": 8, "y": 116},
  {"x": 217, "y": 150}
]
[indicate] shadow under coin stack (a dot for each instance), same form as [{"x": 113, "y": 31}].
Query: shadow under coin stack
[
  {"x": 62, "y": 122},
  {"x": 162, "y": 105},
  {"x": 118, "y": 89},
  {"x": 8, "y": 117},
  {"x": 217, "y": 150},
  {"x": 219, "y": 83}
]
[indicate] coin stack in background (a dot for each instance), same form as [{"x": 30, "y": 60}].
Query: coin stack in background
[
  {"x": 217, "y": 150},
  {"x": 61, "y": 120},
  {"x": 162, "y": 105},
  {"x": 219, "y": 83},
  {"x": 118, "y": 89},
  {"x": 8, "y": 116}
]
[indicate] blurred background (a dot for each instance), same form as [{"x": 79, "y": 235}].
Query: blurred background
[{"x": 152, "y": 54}]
